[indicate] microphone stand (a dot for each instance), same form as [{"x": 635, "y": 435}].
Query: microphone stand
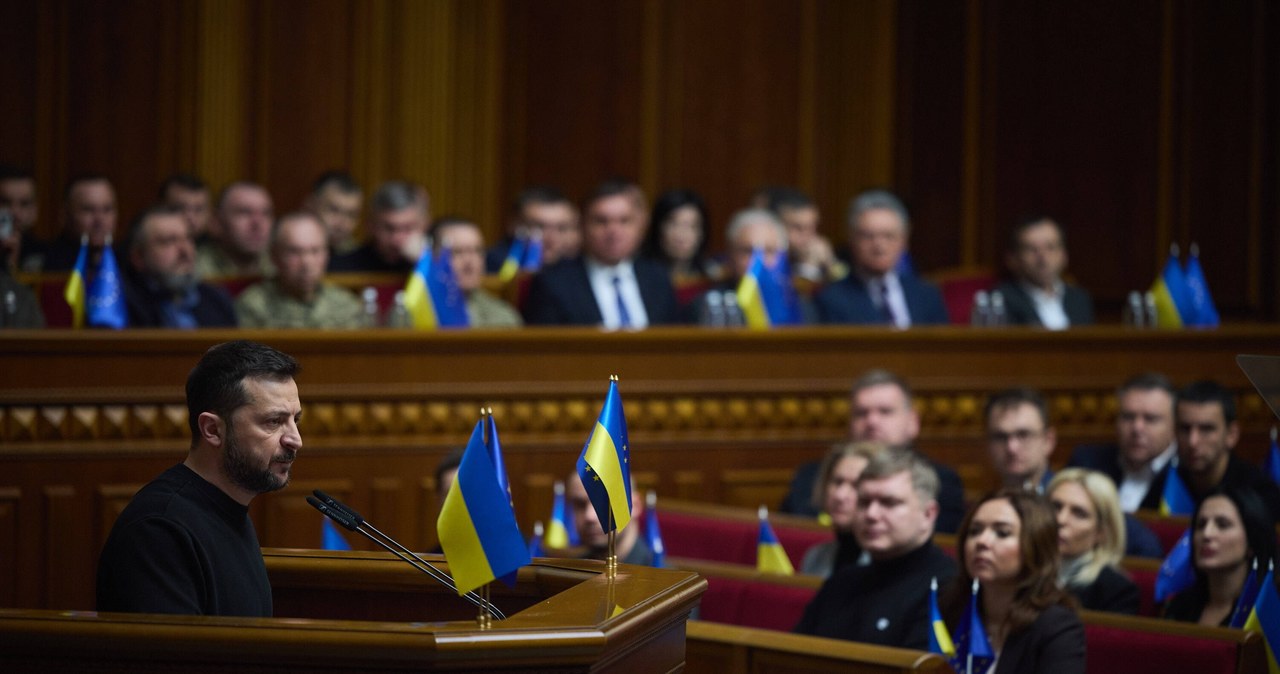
[{"x": 352, "y": 521}]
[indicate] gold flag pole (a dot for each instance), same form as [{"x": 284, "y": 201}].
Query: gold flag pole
[
  {"x": 483, "y": 618},
  {"x": 611, "y": 557}
]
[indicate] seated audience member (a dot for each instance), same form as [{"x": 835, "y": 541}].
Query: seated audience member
[
  {"x": 18, "y": 196},
  {"x": 874, "y": 292},
  {"x": 239, "y": 234},
  {"x": 609, "y": 285},
  {"x": 1009, "y": 544},
  {"x": 298, "y": 297},
  {"x": 1091, "y": 541},
  {"x": 1020, "y": 440},
  {"x": 629, "y": 545},
  {"x": 540, "y": 211},
  {"x": 1144, "y": 451},
  {"x": 399, "y": 217},
  {"x": 1207, "y": 432},
  {"x": 677, "y": 235},
  {"x": 19, "y": 307},
  {"x": 91, "y": 210},
  {"x": 189, "y": 194},
  {"x": 185, "y": 544},
  {"x": 335, "y": 198},
  {"x": 163, "y": 290},
  {"x": 465, "y": 244},
  {"x": 836, "y": 493},
  {"x": 881, "y": 410},
  {"x": 886, "y": 602},
  {"x": 749, "y": 230},
  {"x": 812, "y": 256},
  {"x": 1230, "y": 529},
  {"x": 1037, "y": 293}
]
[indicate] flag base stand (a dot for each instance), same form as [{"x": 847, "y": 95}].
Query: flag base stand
[
  {"x": 484, "y": 620},
  {"x": 611, "y": 557}
]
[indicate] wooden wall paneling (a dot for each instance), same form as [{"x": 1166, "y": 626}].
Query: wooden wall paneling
[
  {"x": 110, "y": 500},
  {"x": 368, "y": 138},
  {"x": 10, "y": 545},
  {"x": 752, "y": 488},
  {"x": 20, "y": 70},
  {"x": 285, "y": 520},
  {"x": 390, "y": 501},
  {"x": 536, "y": 497},
  {"x": 478, "y": 117},
  {"x": 66, "y": 528},
  {"x": 224, "y": 102},
  {"x": 422, "y": 46},
  {"x": 851, "y": 108}
]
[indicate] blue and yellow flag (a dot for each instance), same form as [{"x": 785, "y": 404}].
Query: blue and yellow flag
[
  {"x": 1248, "y": 596},
  {"x": 105, "y": 301},
  {"x": 652, "y": 533},
  {"x": 417, "y": 297},
  {"x": 1173, "y": 305},
  {"x": 1272, "y": 463},
  {"x": 1265, "y": 620},
  {"x": 562, "y": 532},
  {"x": 477, "y": 527},
  {"x": 532, "y": 261},
  {"x": 973, "y": 649},
  {"x": 604, "y": 464},
  {"x": 770, "y": 555},
  {"x": 331, "y": 538},
  {"x": 515, "y": 258},
  {"x": 1176, "y": 572},
  {"x": 431, "y": 294},
  {"x": 495, "y": 454},
  {"x": 1175, "y": 499},
  {"x": 939, "y": 637},
  {"x": 74, "y": 290},
  {"x": 1204, "y": 311},
  {"x": 535, "y": 541},
  {"x": 766, "y": 294}
]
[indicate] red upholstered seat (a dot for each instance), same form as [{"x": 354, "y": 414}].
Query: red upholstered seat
[
  {"x": 754, "y": 603},
  {"x": 1141, "y": 652},
  {"x": 729, "y": 540},
  {"x": 1145, "y": 579},
  {"x": 1167, "y": 529},
  {"x": 958, "y": 286}
]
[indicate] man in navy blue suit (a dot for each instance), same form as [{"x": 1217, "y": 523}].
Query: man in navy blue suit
[
  {"x": 1037, "y": 293},
  {"x": 874, "y": 292},
  {"x": 608, "y": 285},
  {"x": 1144, "y": 450}
]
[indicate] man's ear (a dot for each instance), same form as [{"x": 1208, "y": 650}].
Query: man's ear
[{"x": 212, "y": 429}]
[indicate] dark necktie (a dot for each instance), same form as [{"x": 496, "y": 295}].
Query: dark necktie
[
  {"x": 624, "y": 316},
  {"x": 885, "y": 307}
]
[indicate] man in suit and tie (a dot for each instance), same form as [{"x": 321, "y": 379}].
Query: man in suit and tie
[
  {"x": 1144, "y": 449},
  {"x": 874, "y": 292},
  {"x": 608, "y": 285},
  {"x": 1037, "y": 294}
]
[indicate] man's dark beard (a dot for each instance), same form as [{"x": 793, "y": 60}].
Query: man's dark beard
[{"x": 243, "y": 473}]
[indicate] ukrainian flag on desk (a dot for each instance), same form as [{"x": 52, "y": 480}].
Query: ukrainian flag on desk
[
  {"x": 1175, "y": 500},
  {"x": 1265, "y": 620},
  {"x": 766, "y": 294},
  {"x": 939, "y": 637},
  {"x": 1173, "y": 301},
  {"x": 1272, "y": 463},
  {"x": 432, "y": 295},
  {"x": 330, "y": 538},
  {"x": 770, "y": 556},
  {"x": 604, "y": 464},
  {"x": 74, "y": 290},
  {"x": 561, "y": 530},
  {"x": 477, "y": 527}
]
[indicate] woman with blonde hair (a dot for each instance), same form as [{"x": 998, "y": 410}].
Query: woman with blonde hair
[
  {"x": 835, "y": 494},
  {"x": 1091, "y": 540}
]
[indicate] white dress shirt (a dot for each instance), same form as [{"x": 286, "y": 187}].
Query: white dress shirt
[
  {"x": 1049, "y": 305},
  {"x": 601, "y": 278},
  {"x": 1135, "y": 484}
]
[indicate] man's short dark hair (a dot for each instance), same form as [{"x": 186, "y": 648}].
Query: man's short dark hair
[
  {"x": 338, "y": 179},
  {"x": 135, "y": 227},
  {"x": 187, "y": 181},
  {"x": 614, "y": 187},
  {"x": 82, "y": 178},
  {"x": 537, "y": 194},
  {"x": 395, "y": 195},
  {"x": 216, "y": 383},
  {"x": 1209, "y": 391},
  {"x": 1026, "y": 222},
  {"x": 786, "y": 198},
  {"x": 1013, "y": 398},
  {"x": 13, "y": 172},
  {"x": 881, "y": 377},
  {"x": 446, "y": 222}
]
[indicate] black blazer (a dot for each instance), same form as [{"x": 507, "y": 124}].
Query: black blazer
[
  {"x": 1053, "y": 644},
  {"x": 1106, "y": 459},
  {"x": 1020, "y": 310},
  {"x": 561, "y": 294},
  {"x": 213, "y": 309},
  {"x": 849, "y": 301},
  {"x": 1110, "y": 591}
]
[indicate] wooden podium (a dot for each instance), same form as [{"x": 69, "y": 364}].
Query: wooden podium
[{"x": 367, "y": 612}]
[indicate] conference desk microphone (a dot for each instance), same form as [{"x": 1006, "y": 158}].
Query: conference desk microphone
[{"x": 351, "y": 520}]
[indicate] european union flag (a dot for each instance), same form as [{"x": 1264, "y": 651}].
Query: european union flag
[
  {"x": 331, "y": 538},
  {"x": 477, "y": 527},
  {"x": 532, "y": 261},
  {"x": 1265, "y": 620},
  {"x": 432, "y": 295},
  {"x": 973, "y": 648},
  {"x": 1248, "y": 596},
  {"x": 1204, "y": 312},
  {"x": 939, "y": 637},
  {"x": 1175, "y": 500},
  {"x": 1176, "y": 572},
  {"x": 1272, "y": 463},
  {"x": 535, "y": 541},
  {"x": 652, "y": 534},
  {"x": 770, "y": 555},
  {"x": 74, "y": 290},
  {"x": 604, "y": 464},
  {"x": 562, "y": 532},
  {"x": 105, "y": 303}
]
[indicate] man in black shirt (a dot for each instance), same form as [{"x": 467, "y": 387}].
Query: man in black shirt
[
  {"x": 1207, "y": 431},
  {"x": 886, "y": 602},
  {"x": 185, "y": 543}
]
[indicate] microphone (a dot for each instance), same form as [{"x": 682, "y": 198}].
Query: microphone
[{"x": 351, "y": 520}]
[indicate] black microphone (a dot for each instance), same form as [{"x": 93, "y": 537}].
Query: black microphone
[{"x": 351, "y": 520}]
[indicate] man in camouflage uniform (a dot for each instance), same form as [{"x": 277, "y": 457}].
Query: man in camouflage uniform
[
  {"x": 298, "y": 297},
  {"x": 238, "y": 234},
  {"x": 466, "y": 252}
]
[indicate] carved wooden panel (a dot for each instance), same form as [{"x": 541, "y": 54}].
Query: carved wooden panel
[
  {"x": 10, "y": 512},
  {"x": 66, "y": 557}
]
